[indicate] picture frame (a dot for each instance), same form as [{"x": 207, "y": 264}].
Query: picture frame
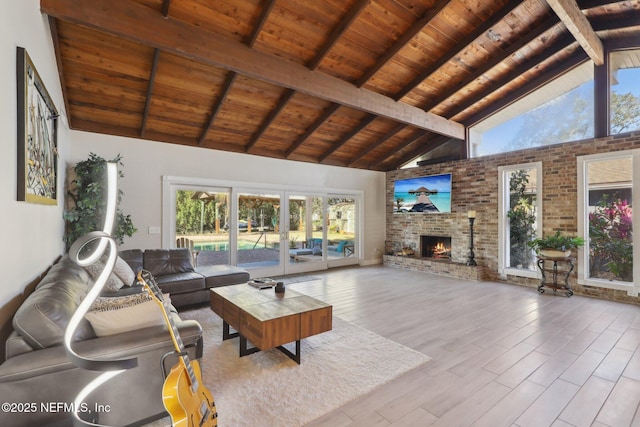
[{"x": 37, "y": 136}]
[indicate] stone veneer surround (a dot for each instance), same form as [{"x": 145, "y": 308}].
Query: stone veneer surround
[
  {"x": 437, "y": 266},
  {"x": 475, "y": 187}
]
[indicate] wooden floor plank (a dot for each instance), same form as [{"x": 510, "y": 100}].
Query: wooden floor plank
[
  {"x": 507, "y": 410},
  {"x": 622, "y": 404},
  {"x": 584, "y": 407},
  {"x": 503, "y": 355},
  {"x": 547, "y": 407}
]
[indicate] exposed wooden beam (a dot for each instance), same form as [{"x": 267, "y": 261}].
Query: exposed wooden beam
[
  {"x": 165, "y": 7},
  {"x": 495, "y": 60},
  {"x": 328, "y": 112},
  {"x": 599, "y": 24},
  {"x": 578, "y": 25},
  {"x": 630, "y": 19},
  {"x": 282, "y": 102},
  {"x": 406, "y": 37},
  {"x": 421, "y": 134},
  {"x": 622, "y": 43},
  {"x": 264, "y": 14},
  {"x": 352, "y": 15},
  {"x": 152, "y": 80},
  {"x": 462, "y": 44},
  {"x": 384, "y": 138},
  {"x": 590, "y": 4},
  {"x": 363, "y": 124},
  {"x": 122, "y": 19},
  {"x": 345, "y": 23},
  {"x": 426, "y": 144},
  {"x": 562, "y": 43},
  {"x": 218, "y": 105}
]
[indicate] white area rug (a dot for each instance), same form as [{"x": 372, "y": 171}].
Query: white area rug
[{"x": 269, "y": 389}]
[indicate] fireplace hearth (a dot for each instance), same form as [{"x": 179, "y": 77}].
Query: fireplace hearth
[{"x": 435, "y": 247}]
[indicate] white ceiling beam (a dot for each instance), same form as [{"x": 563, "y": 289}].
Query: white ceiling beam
[
  {"x": 136, "y": 22},
  {"x": 578, "y": 25}
]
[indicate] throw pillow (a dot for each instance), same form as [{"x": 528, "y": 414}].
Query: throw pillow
[
  {"x": 125, "y": 319},
  {"x": 113, "y": 282},
  {"x": 124, "y": 272},
  {"x": 114, "y": 315},
  {"x": 114, "y": 303}
]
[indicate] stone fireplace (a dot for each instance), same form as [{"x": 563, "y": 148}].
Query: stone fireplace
[{"x": 435, "y": 247}]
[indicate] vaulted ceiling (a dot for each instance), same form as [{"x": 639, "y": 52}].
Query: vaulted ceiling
[{"x": 368, "y": 84}]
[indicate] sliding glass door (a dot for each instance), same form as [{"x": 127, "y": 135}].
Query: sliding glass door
[
  {"x": 266, "y": 231},
  {"x": 306, "y": 236},
  {"x": 258, "y": 237},
  {"x": 323, "y": 231}
]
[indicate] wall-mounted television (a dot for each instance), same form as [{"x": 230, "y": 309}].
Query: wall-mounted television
[{"x": 425, "y": 194}]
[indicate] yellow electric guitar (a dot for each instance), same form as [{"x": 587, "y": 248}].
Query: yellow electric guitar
[{"x": 186, "y": 399}]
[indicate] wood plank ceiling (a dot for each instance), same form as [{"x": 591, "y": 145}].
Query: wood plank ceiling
[{"x": 368, "y": 84}]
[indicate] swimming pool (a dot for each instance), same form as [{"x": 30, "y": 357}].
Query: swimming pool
[{"x": 224, "y": 246}]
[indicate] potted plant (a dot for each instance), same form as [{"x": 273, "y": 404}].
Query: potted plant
[
  {"x": 555, "y": 246},
  {"x": 88, "y": 202}
]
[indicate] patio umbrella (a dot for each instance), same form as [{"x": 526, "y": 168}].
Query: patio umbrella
[{"x": 204, "y": 197}]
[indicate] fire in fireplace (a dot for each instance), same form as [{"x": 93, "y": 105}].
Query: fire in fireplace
[{"x": 435, "y": 247}]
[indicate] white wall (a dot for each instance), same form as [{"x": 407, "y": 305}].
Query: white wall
[
  {"x": 31, "y": 234},
  {"x": 145, "y": 163}
]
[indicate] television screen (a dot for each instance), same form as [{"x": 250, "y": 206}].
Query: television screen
[{"x": 426, "y": 194}]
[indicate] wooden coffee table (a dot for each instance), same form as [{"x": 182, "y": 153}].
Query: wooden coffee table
[{"x": 269, "y": 319}]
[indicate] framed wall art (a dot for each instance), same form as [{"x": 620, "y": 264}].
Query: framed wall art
[{"x": 37, "y": 136}]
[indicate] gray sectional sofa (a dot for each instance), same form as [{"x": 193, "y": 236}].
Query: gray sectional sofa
[
  {"x": 176, "y": 275},
  {"x": 37, "y": 372},
  {"x": 38, "y": 382}
]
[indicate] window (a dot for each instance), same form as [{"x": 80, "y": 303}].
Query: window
[
  {"x": 560, "y": 111},
  {"x": 625, "y": 91},
  {"x": 606, "y": 187},
  {"x": 520, "y": 204}
]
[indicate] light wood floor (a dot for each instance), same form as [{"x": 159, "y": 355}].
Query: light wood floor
[{"x": 503, "y": 355}]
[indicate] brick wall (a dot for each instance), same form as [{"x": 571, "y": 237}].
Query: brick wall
[{"x": 475, "y": 187}]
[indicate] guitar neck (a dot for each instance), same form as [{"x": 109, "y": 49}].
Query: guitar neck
[
  {"x": 156, "y": 295},
  {"x": 179, "y": 344}
]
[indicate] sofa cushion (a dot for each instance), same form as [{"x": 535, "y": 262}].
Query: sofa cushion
[
  {"x": 113, "y": 283},
  {"x": 222, "y": 275},
  {"x": 298, "y": 252},
  {"x": 44, "y": 315},
  {"x": 160, "y": 262},
  {"x": 16, "y": 345},
  {"x": 134, "y": 258},
  {"x": 124, "y": 272},
  {"x": 180, "y": 282}
]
